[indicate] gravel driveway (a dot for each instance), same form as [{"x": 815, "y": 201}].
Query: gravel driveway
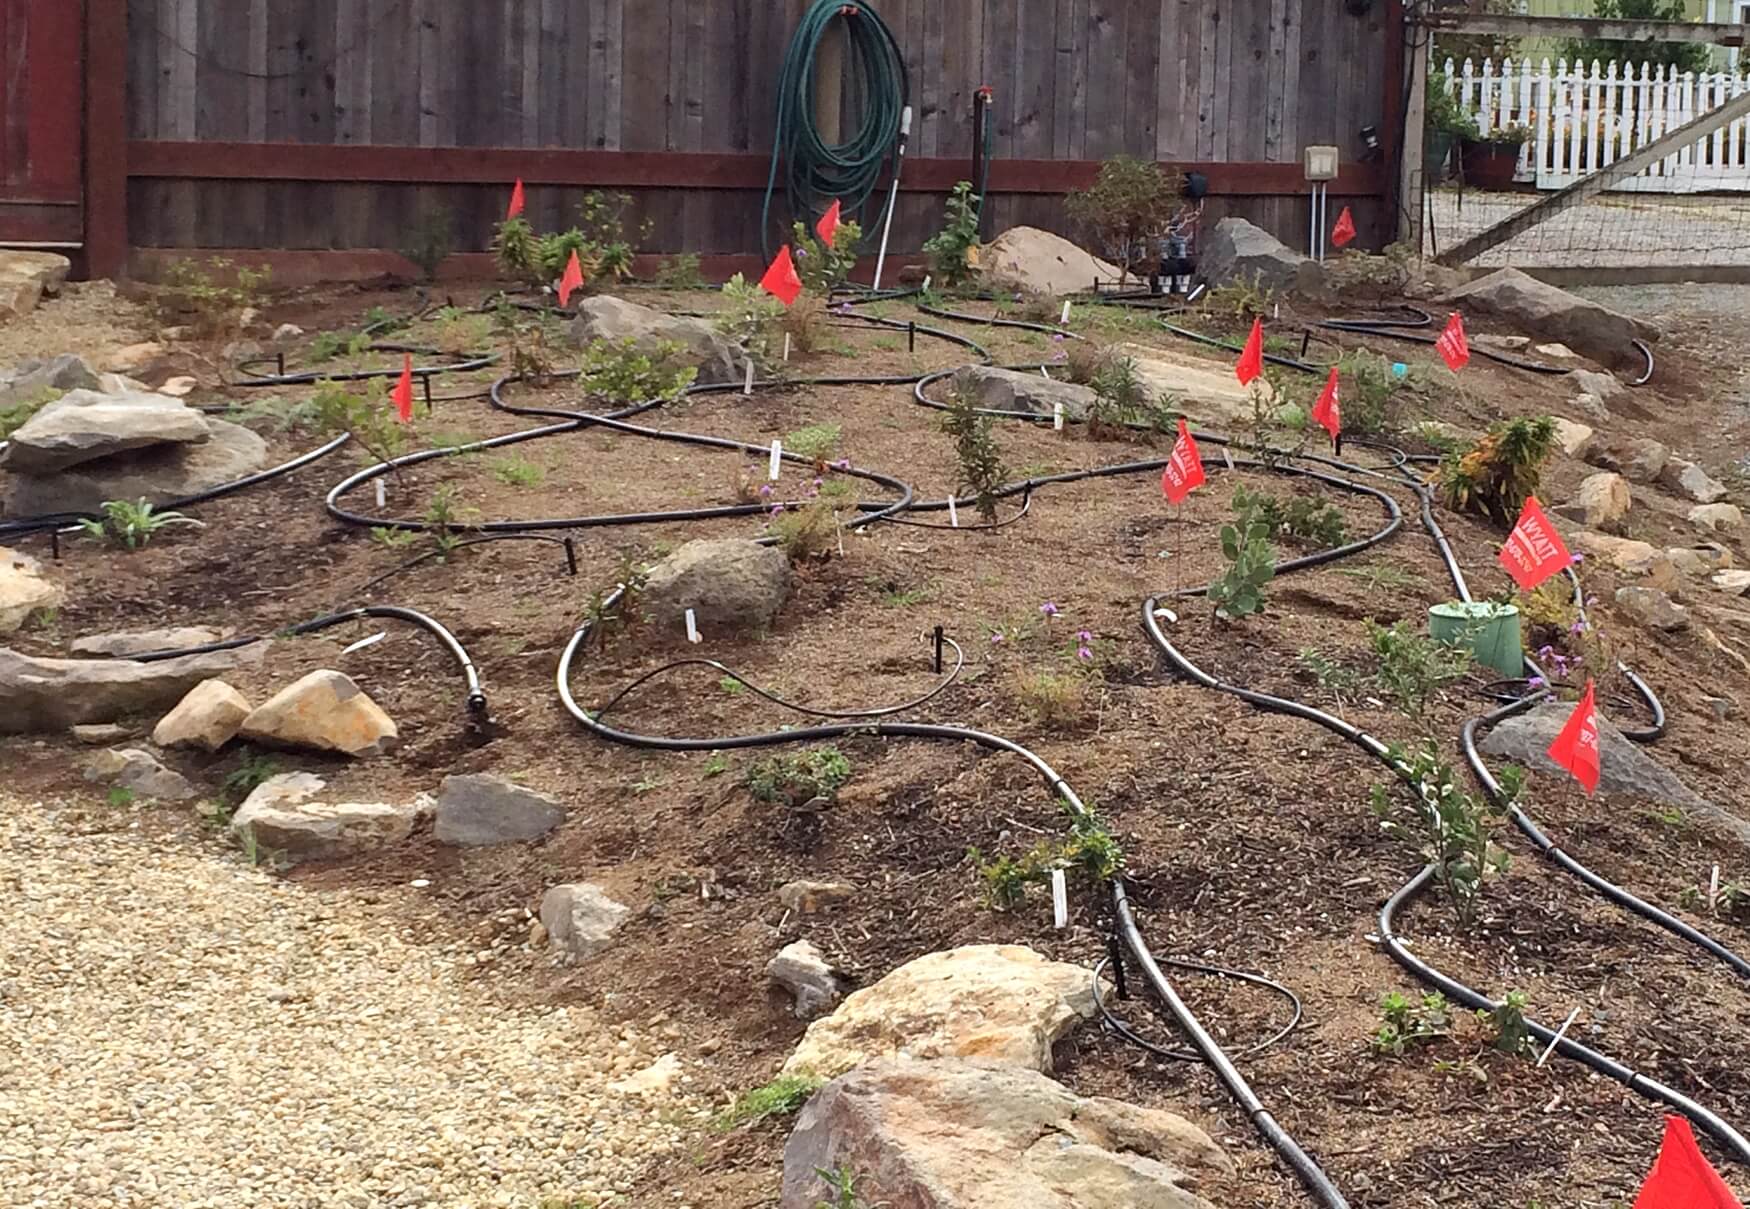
[{"x": 178, "y": 1029}]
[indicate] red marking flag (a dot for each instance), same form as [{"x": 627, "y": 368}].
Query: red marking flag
[
  {"x": 828, "y": 227},
  {"x": 1184, "y": 470},
  {"x": 402, "y": 395},
  {"x": 1534, "y": 551},
  {"x": 1251, "y": 362},
  {"x": 1681, "y": 1177},
  {"x": 1327, "y": 412},
  {"x": 1344, "y": 231},
  {"x": 780, "y": 280},
  {"x": 572, "y": 281},
  {"x": 1576, "y": 748},
  {"x": 517, "y": 201},
  {"x": 1453, "y": 344}
]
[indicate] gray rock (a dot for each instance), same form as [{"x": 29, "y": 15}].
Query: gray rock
[
  {"x": 1572, "y": 437},
  {"x": 1591, "y": 405},
  {"x": 478, "y": 809},
  {"x": 101, "y": 734},
  {"x": 614, "y": 320},
  {"x": 324, "y": 711},
  {"x": 1550, "y": 313},
  {"x": 580, "y": 918},
  {"x": 31, "y": 380},
  {"x": 1624, "y": 767},
  {"x": 732, "y": 586},
  {"x": 53, "y": 694},
  {"x": 1012, "y": 390},
  {"x": 85, "y": 425},
  {"x": 1602, "y": 501},
  {"x": 24, "y": 589},
  {"x": 1652, "y": 609},
  {"x": 805, "y": 973},
  {"x": 948, "y": 1134},
  {"x": 284, "y": 816},
  {"x": 1600, "y": 384},
  {"x": 124, "y": 644},
  {"x": 1699, "y": 562},
  {"x": 1637, "y": 460},
  {"x": 1733, "y": 583},
  {"x": 208, "y": 718},
  {"x": 1724, "y": 708},
  {"x": 1691, "y": 482},
  {"x": 806, "y": 897},
  {"x": 1717, "y": 517},
  {"x": 139, "y": 771},
  {"x": 158, "y": 475},
  {"x": 1505, "y": 344},
  {"x": 1237, "y": 251}
]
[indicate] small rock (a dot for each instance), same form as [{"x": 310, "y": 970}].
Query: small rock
[
  {"x": 1590, "y": 405},
  {"x": 140, "y": 771},
  {"x": 1633, "y": 557},
  {"x": 1602, "y": 501},
  {"x": 1507, "y": 344},
  {"x": 1724, "y": 708},
  {"x": 284, "y": 816},
  {"x": 1691, "y": 482},
  {"x": 125, "y": 644},
  {"x": 325, "y": 711},
  {"x": 24, "y": 590},
  {"x": 1652, "y": 609},
  {"x": 1734, "y": 582},
  {"x": 34, "y": 380},
  {"x": 208, "y": 717},
  {"x": 657, "y": 1079},
  {"x": 731, "y": 584},
  {"x": 805, "y": 973},
  {"x": 1572, "y": 437},
  {"x": 285, "y": 332},
  {"x": 478, "y": 809},
  {"x": 1640, "y": 461},
  {"x": 1717, "y": 517},
  {"x": 179, "y": 387},
  {"x": 1558, "y": 351},
  {"x": 135, "y": 359},
  {"x": 580, "y": 918},
  {"x": 614, "y": 320},
  {"x": 1699, "y": 562},
  {"x": 1600, "y": 384},
  {"x": 101, "y": 734},
  {"x": 26, "y": 276},
  {"x": 806, "y": 897}
]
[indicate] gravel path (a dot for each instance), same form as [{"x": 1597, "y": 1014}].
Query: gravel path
[{"x": 178, "y": 1029}]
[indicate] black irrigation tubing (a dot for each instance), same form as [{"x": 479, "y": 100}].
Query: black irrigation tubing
[
  {"x": 1121, "y": 1029},
  {"x": 462, "y": 544},
  {"x": 1457, "y": 991},
  {"x": 1387, "y": 328}
]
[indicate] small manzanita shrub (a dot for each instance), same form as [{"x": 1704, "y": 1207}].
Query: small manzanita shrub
[
  {"x": 1251, "y": 562},
  {"x": 796, "y": 780},
  {"x": 953, "y": 249},
  {"x": 982, "y": 472}
]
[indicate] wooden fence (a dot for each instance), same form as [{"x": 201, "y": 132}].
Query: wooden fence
[
  {"x": 315, "y": 124},
  {"x": 1586, "y": 117}
]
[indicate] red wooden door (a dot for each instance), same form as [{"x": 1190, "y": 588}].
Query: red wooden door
[{"x": 42, "y": 96}]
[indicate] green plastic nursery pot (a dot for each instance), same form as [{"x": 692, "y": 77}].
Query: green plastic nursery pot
[{"x": 1490, "y": 630}]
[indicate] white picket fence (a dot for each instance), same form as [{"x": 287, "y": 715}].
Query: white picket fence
[{"x": 1587, "y": 117}]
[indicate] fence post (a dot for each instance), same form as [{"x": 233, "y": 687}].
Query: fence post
[
  {"x": 1545, "y": 101},
  {"x": 106, "y": 138}
]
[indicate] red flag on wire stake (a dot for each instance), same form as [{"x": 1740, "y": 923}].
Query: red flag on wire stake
[
  {"x": 402, "y": 395},
  {"x": 517, "y": 201},
  {"x": 1576, "y": 748},
  {"x": 1344, "y": 231},
  {"x": 1251, "y": 362},
  {"x": 1327, "y": 412},
  {"x": 1453, "y": 344},
  {"x": 1682, "y": 1178},
  {"x": 828, "y": 227},
  {"x": 1184, "y": 469},
  {"x": 780, "y": 280},
  {"x": 572, "y": 281},
  {"x": 1534, "y": 551}
]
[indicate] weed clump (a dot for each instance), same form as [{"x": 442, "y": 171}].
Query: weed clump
[{"x": 799, "y": 779}]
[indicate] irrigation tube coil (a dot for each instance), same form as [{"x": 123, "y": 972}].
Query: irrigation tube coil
[{"x": 848, "y": 172}]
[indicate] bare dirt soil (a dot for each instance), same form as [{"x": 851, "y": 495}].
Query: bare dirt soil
[{"x": 1248, "y": 837}]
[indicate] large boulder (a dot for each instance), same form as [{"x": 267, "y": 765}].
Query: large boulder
[
  {"x": 1038, "y": 262},
  {"x": 140, "y": 773},
  {"x": 324, "y": 711},
  {"x": 284, "y": 815},
  {"x": 1206, "y": 390},
  {"x": 84, "y": 425},
  {"x": 580, "y": 918},
  {"x": 1691, "y": 482},
  {"x": 24, "y": 590},
  {"x": 25, "y": 277},
  {"x": 731, "y": 585},
  {"x": 615, "y": 320},
  {"x": 1012, "y": 390},
  {"x": 208, "y": 718},
  {"x": 1623, "y": 766},
  {"x": 1238, "y": 252},
  {"x": 998, "y": 1004},
  {"x": 53, "y": 694},
  {"x": 1550, "y": 313},
  {"x": 477, "y": 809},
  {"x": 125, "y": 644},
  {"x": 158, "y": 475},
  {"x": 1602, "y": 501},
  {"x": 954, "y": 1135}
]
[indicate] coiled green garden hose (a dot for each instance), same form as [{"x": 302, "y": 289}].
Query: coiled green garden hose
[{"x": 816, "y": 172}]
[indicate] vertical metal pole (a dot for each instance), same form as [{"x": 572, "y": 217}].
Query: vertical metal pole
[{"x": 893, "y": 194}]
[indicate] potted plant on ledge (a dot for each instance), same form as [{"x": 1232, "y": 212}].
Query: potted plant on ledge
[
  {"x": 1447, "y": 123},
  {"x": 1491, "y": 162}
]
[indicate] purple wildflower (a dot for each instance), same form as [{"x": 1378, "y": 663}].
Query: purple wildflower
[
  {"x": 842, "y": 464},
  {"x": 818, "y": 482},
  {"x": 766, "y": 490},
  {"x": 995, "y": 639},
  {"x": 801, "y": 253},
  {"x": 1576, "y": 559},
  {"x": 777, "y": 510},
  {"x": 1049, "y": 609},
  {"x": 1057, "y": 337},
  {"x": 1544, "y": 652},
  {"x": 1084, "y": 653},
  {"x": 1578, "y": 628},
  {"x": 1536, "y": 682},
  {"x": 1084, "y": 637}
]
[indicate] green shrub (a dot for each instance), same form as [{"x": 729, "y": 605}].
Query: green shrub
[
  {"x": 1301, "y": 518},
  {"x": 132, "y": 525},
  {"x": 336, "y": 408},
  {"x": 1251, "y": 562},
  {"x": 1412, "y": 667},
  {"x": 981, "y": 463},
  {"x": 431, "y": 240},
  {"x": 1372, "y": 393},
  {"x": 1451, "y": 829},
  {"x": 621, "y": 373},
  {"x": 1406, "y": 1023},
  {"x": 821, "y": 268},
  {"x": 795, "y": 780},
  {"x": 1127, "y": 208},
  {"x": 817, "y": 442},
  {"x": 749, "y": 317},
  {"x": 680, "y": 272},
  {"x": 782, "y": 1097},
  {"x": 1122, "y": 399},
  {"x": 951, "y": 250}
]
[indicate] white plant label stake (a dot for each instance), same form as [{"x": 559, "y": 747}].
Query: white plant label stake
[
  {"x": 1227, "y": 457},
  {"x": 1059, "y": 899},
  {"x": 692, "y": 627},
  {"x": 926, "y": 288},
  {"x": 1560, "y": 1033},
  {"x": 786, "y": 346},
  {"x": 1064, "y": 322},
  {"x": 777, "y": 466},
  {"x": 1045, "y": 375},
  {"x": 953, "y": 514},
  {"x": 1057, "y": 415},
  {"x": 362, "y": 643},
  {"x": 1713, "y": 890},
  {"x": 381, "y": 499},
  {"x": 747, "y": 386}
]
